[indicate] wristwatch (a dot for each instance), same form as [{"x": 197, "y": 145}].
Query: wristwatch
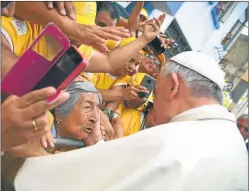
[{"x": 109, "y": 113}]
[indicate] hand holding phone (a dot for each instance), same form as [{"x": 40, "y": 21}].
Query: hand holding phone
[{"x": 149, "y": 83}]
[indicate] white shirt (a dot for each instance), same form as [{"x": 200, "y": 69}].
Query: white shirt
[{"x": 181, "y": 156}]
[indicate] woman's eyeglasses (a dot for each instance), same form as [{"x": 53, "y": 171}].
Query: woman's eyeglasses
[{"x": 154, "y": 59}]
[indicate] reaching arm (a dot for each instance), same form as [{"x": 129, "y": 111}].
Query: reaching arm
[
  {"x": 120, "y": 56},
  {"x": 116, "y": 58},
  {"x": 122, "y": 22},
  {"x": 38, "y": 13},
  {"x": 134, "y": 18},
  {"x": 111, "y": 95}
]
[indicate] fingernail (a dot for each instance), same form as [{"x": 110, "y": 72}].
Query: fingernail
[
  {"x": 50, "y": 6},
  {"x": 65, "y": 94},
  {"x": 73, "y": 16},
  {"x": 63, "y": 12},
  {"x": 50, "y": 90},
  {"x": 45, "y": 145},
  {"x": 52, "y": 144}
]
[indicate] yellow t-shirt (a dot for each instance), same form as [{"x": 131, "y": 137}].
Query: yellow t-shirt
[
  {"x": 132, "y": 118},
  {"x": 85, "y": 12},
  {"x": 103, "y": 81}
]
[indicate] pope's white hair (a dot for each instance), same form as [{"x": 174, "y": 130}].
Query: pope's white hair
[{"x": 199, "y": 85}]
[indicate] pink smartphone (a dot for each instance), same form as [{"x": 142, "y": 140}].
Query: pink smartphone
[{"x": 57, "y": 66}]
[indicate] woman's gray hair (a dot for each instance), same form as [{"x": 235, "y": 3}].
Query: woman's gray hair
[
  {"x": 75, "y": 90},
  {"x": 198, "y": 84}
]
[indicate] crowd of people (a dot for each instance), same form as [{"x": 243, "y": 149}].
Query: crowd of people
[{"x": 180, "y": 137}]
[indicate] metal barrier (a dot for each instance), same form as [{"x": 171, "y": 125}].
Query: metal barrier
[{"x": 66, "y": 142}]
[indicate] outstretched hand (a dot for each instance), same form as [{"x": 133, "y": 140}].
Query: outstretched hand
[{"x": 152, "y": 27}]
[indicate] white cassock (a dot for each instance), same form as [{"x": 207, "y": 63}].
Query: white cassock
[{"x": 184, "y": 155}]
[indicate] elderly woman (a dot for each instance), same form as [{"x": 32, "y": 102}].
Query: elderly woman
[{"x": 78, "y": 117}]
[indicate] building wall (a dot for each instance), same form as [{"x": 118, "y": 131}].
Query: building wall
[
  {"x": 235, "y": 62},
  {"x": 196, "y": 23}
]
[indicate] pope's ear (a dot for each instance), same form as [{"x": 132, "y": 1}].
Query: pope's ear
[{"x": 174, "y": 85}]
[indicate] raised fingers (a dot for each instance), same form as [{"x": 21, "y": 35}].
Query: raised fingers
[
  {"x": 41, "y": 106},
  {"x": 61, "y": 8},
  {"x": 49, "y": 4},
  {"x": 70, "y": 10},
  {"x": 35, "y": 96},
  {"x": 115, "y": 33},
  {"x": 47, "y": 140}
]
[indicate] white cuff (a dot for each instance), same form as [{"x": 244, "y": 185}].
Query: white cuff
[{"x": 7, "y": 36}]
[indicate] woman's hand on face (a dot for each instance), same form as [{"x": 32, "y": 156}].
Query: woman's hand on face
[
  {"x": 47, "y": 140},
  {"x": 25, "y": 118},
  {"x": 106, "y": 128},
  {"x": 64, "y": 8},
  {"x": 95, "y": 136}
]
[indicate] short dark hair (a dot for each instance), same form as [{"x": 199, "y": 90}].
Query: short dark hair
[{"x": 108, "y": 7}]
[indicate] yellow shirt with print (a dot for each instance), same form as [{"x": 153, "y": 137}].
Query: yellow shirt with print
[{"x": 132, "y": 119}]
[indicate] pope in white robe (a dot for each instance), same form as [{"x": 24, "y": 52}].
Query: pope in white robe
[{"x": 195, "y": 145}]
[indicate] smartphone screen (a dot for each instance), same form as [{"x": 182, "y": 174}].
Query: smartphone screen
[
  {"x": 155, "y": 46},
  {"x": 61, "y": 69}
]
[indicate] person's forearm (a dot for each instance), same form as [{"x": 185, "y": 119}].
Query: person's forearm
[
  {"x": 37, "y": 13},
  {"x": 134, "y": 18},
  {"x": 110, "y": 95},
  {"x": 8, "y": 60},
  {"x": 122, "y": 22},
  {"x": 120, "y": 56}
]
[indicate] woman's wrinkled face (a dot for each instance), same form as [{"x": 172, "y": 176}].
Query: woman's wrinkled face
[
  {"x": 8, "y": 8},
  {"x": 130, "y": 67},
  {"x": 84, "y": 116}
]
